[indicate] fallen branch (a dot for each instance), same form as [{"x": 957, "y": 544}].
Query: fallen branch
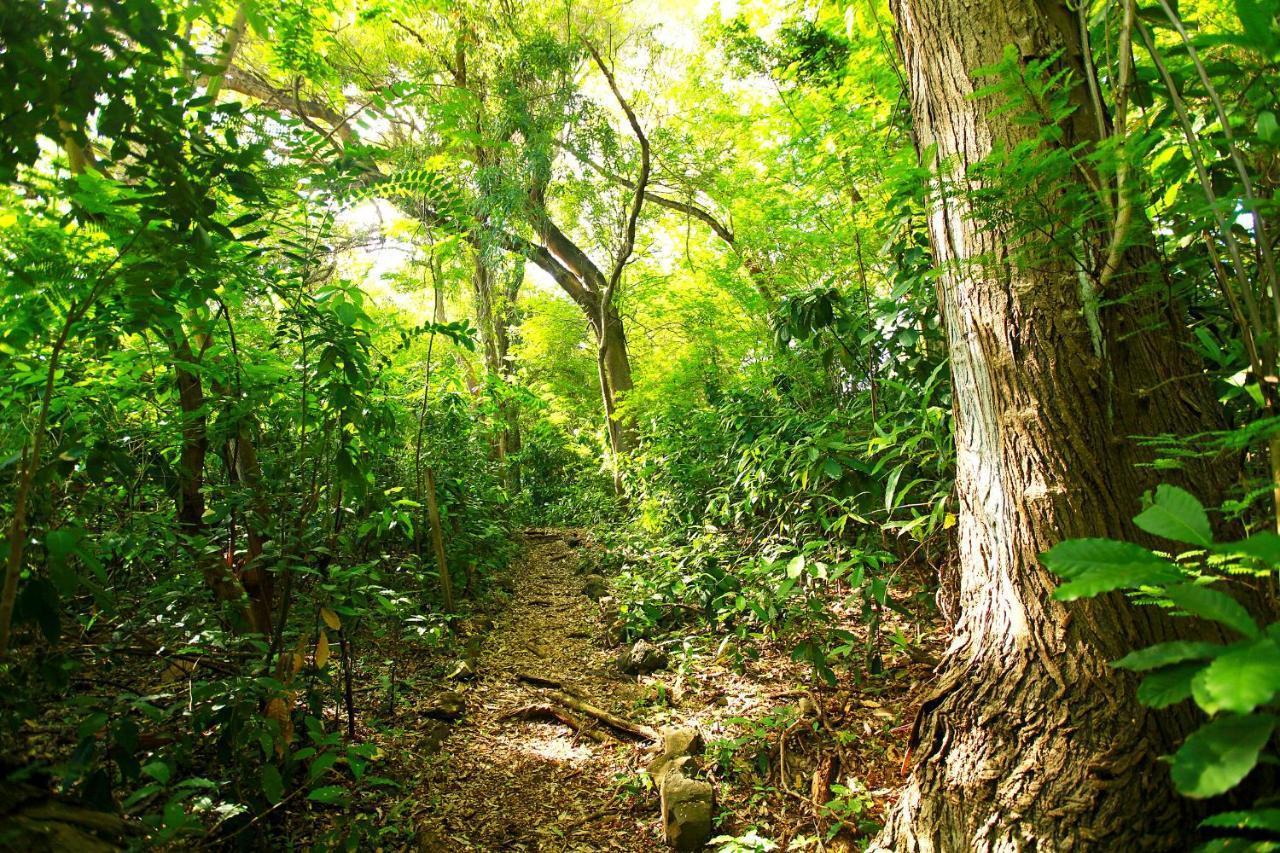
[
  {"x": 613, "y": 721},
  {"x": 563, "y": 694},
  {"x": 545, "y": 712},
  {"x": 583, "y": 821},
  {"x": 540, "y": 681}
]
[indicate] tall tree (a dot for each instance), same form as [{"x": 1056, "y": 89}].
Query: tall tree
[{"x": 1031, "y": 740}]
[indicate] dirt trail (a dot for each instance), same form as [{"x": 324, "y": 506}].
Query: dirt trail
[{"x": 513, "y": 784}]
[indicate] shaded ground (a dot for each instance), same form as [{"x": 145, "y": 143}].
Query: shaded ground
[{"x": 807, "y": 766}]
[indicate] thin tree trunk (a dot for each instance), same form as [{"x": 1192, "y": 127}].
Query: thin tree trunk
[
  {"x": 492, "y": 321},
  {"x": 218, "y": 574},
  {"x": 437, "y": 540},
  {"x": 615, "y": 381},
  {"x": 425, "y": 474},
  {"x": 258, "y": 580},
  {"x": 1032, "y": 741}
]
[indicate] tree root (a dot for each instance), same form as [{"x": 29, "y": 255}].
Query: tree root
[
  {"x": 551, "y": 712},
  {"x": 613, "y": 721},
  {"x": 562, "y": 694}
]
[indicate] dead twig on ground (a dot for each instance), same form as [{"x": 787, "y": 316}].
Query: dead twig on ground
[{"x": 551, "y": 712}]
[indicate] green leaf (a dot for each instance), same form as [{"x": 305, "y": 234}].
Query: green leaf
[
  {"x": 1094, "y": 583},
  {"x": 833, "y": 469},
  {"x": 1257, "y": 18},
  {"x": 1220, "y": 753},
  {"x": 38, "y": 602},
  {"x": 892, "y": 486},
  {"x": 1240, "y": 680},
  {"x": 1164, "y": 654},
  {"x": 795, "y": 567},
  {"x": 1169, "y": 685},
  {"x": 272, "y": 784},
  {"x": 1268, "y": 130},
  {"x": 158, "y": 770},
  {"x": 1176, "y": 515},
  {"x": 1267, "y": 819},
  {"x": 322, "y": 763},
  {"x": 327, "y": 794},
  {"x": 1094, "y": 566},
  {"x": 347, "y": 313},
  {"x": 1074, "y": 557},
  {"x": 1211, "y": 604},
  {"x": 61, "y": 545},
  {"x": 1263, "y": 546}
]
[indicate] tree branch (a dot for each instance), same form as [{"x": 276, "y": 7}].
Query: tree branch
[
  {"x": 641, "y": 184},
  {"x": 247, "y": 83},
  {"x": 689, "y": 208}
]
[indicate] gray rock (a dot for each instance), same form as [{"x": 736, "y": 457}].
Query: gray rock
[
  {"x": 680, "y": 744},
  {"x": 595, "y": 587},
  {"x": 642, "y": 658},
  {"x": 686, "y": 810},
  {"x": 681, "y": 740},
  {"x": 446, "y": 705}
]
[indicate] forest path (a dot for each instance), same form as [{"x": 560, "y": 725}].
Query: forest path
[{"x": 509, "y": 783}]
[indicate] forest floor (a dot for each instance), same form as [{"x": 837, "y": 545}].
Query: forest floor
[
  {"x": 494, "y": 740},
  {"x": 511, "y": 771}
]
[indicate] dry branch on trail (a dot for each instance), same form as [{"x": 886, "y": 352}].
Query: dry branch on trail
[{"x": 551, "y": 712}]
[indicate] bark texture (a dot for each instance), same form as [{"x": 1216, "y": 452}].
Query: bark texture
[{"x": 1031, "y": 741}]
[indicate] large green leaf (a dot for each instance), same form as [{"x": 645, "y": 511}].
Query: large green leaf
[
  {"x": 1240, "y": 680},
  {"x": 1176, "y": 515},
  {"x": 1220, "y": 753},
  {"x": 1091, "y": 583},
  {"x": 1263, "y": 546},
  {"x": 1074, "y": 557},
  {"x": 327, "y": 794},
  {"x": 1268, "y": 819},
  {"x": 1211, "y": 604},
  {"x": 1171, "y": 684},
  {"x": 1094, "y": 566},
  {"x": 1164, "y": 654},
  {"x": 272, "y": 783}
]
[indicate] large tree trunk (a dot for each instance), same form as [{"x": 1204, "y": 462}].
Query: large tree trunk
[{"x": 1031, "y": 740}]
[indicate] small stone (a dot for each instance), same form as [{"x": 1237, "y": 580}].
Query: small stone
[
  {"x": 642, "y": 658},
  {"x": 595, "y": 587},
  {"x": 446, "y": 705},
  {"x": 686, "y": 810}
]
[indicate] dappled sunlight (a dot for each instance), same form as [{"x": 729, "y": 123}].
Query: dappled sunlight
[{"x": 544, "y": 743}]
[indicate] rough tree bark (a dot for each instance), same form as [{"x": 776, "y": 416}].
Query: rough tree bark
[{"x": 1031, "y": 740}]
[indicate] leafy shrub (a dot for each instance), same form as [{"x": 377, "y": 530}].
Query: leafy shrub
[{"x": 1235, "y": 682}]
